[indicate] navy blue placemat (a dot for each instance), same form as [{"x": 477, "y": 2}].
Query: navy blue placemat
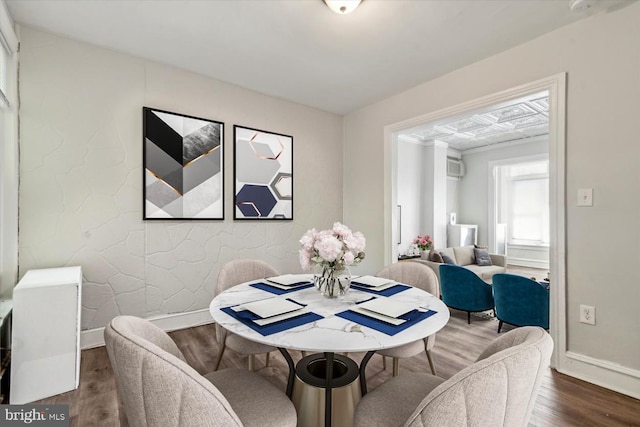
[
  {"x": 385, "y": 293},
  {"x": 246, "y": 317},
  {"x": 267, "y": 287},
  {"x": 411, "y": 318}
]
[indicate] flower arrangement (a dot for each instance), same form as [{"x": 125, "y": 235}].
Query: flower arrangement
[
  {"x": 333, "y": 251},
  {"x": 337, "y": 248},
  {"x": 423, "y": 242}
]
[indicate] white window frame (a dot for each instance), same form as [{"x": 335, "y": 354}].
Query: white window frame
[
  {"x": 8, "y": 155},
  {"x": 495, "y": 181},
  {"x": 8, "y": 42}
]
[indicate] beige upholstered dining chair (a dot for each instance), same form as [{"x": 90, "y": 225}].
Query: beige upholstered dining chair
[
  {"x": 499, "y": 389},
  {"x": 159, "y": 388},
  {"x": 419, "y": 276},
  {"x": 231, "y": 274}
]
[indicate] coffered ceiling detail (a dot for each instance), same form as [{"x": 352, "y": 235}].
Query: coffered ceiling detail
[{"x": 522, "y": 118}]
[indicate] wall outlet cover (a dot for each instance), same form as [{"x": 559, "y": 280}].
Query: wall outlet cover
[{"x": 587, "y": 314}]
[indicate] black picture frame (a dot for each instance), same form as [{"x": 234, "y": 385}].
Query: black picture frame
[
  {"x": 183, "y": 166},
  {"x": 263, "y": 175}
]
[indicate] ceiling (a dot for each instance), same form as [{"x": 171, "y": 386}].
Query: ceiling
[
  {"x": 301, "y": 51},
  {"x": 519, "y": 119}
]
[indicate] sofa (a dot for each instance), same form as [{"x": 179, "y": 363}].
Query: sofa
[{"x": 465, "y": 257}]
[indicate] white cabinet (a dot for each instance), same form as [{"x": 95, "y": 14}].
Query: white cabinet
[
  {"x": 45, "y": 353},
  {"x": 462, "y": 235}
]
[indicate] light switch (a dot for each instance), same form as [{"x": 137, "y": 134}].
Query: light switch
[{"x": 585, "y": 197}]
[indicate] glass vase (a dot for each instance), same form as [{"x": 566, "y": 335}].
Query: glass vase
[{"x": 332, "y": 283}]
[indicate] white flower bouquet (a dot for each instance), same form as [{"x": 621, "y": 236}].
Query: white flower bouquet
[{"x": 331, "y": 252}]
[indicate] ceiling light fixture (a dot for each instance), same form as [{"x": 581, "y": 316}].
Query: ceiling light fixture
[{"x": 342, "y": 7}]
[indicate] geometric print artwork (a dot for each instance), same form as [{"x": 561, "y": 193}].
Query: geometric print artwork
[
  {"x": 183, "y": 166},
  {"x": 263, "y": 184}
]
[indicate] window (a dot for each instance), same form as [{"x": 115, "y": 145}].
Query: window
[
  {"x": 525, "y": 202},
  {"x": 8, "y": 153},
  {"x": 4, "y": 57},
  {"x": 8, "y": 48}
]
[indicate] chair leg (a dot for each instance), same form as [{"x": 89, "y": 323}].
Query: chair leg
[
  {"x": 431, "y": 364},
  {"x": 499, "y": 326},
  {"x": 252, "y": 362},
  {"x": 469, "y": 317},
  {"x": 220, "y": 353},
  {"x": 384, "y": 363},
  {"x": 396, "y": 366},
  {"x": 266, "y": 363},
  {"x": 304, "y": 354}
]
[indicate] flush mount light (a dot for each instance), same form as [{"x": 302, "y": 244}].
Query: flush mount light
[{"x": 342, "y": 7}]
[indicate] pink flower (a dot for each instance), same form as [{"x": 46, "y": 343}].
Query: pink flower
[
  {"x": 308, "y": 239},
  {"x": 334, "y": 248},
  {"x": 341, "y": 230},
  {"x": 349, "y": 258},
  {"x": 305, "y": 259},
  {"x": 355, "y": 242},
  {"x": 329, "y": 248},
  {"x": 423, "y": 242}
]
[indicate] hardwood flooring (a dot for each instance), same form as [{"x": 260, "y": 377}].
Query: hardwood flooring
[{"x": 563, "y": 401}]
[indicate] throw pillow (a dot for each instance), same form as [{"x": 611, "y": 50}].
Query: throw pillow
[
  {"x": 447, "y": 259},
  {"x": 481, "y": 247},
  {"x": 482, "y": 257},
  {"x": 435, "y": 256}
]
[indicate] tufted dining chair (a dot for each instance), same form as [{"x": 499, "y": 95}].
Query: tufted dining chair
[
  {"x": 462, "y": 289},
  {"x": 422, "y": 277},
  {"x": 159, "y": 388},
  {"x": 231, "y": 274},
  {"x": 499, "y": 389},
  {"x": 520, "y": 301}
]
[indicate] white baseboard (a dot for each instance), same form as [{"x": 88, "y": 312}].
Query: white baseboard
[
  {"x": 91, "y": 338},
  {"x": 602, "y": 373},
  {"x": 531, "y": 263}
]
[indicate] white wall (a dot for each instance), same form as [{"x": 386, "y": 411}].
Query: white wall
[
  {"x": 601, "y": 57},
  {"x": 81, "y": 178},
  {"x": 410, "y": 191},
  {"x": 421, "y": 183}
]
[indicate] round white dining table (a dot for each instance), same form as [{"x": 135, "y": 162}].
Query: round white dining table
[{"x": 329, "y": 334}]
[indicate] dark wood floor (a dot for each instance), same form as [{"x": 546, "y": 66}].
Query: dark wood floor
[{"x": 563, "y": 401}]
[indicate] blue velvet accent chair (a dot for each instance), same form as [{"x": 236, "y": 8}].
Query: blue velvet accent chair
[
  {"x": 464, "y": 290},
  {"x": 520, "y": 301}
]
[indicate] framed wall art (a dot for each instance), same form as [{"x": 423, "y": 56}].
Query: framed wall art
[
  {"x": 183, "y": 166},
  {"x": 263, "y": 174}
]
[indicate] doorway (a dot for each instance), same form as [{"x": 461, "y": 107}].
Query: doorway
[{"x": 556, "y": 88}]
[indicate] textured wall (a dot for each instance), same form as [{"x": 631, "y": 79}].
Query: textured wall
[{"x": 81, "y": 178}]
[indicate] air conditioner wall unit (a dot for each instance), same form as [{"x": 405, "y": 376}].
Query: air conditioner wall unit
[{"x": 455, "y": 167}]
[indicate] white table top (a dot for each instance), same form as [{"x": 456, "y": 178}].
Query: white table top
[{"x": 332, "y": 333}]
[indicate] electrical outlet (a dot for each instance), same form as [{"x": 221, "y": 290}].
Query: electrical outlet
[{"x": 587, "y": 314}]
